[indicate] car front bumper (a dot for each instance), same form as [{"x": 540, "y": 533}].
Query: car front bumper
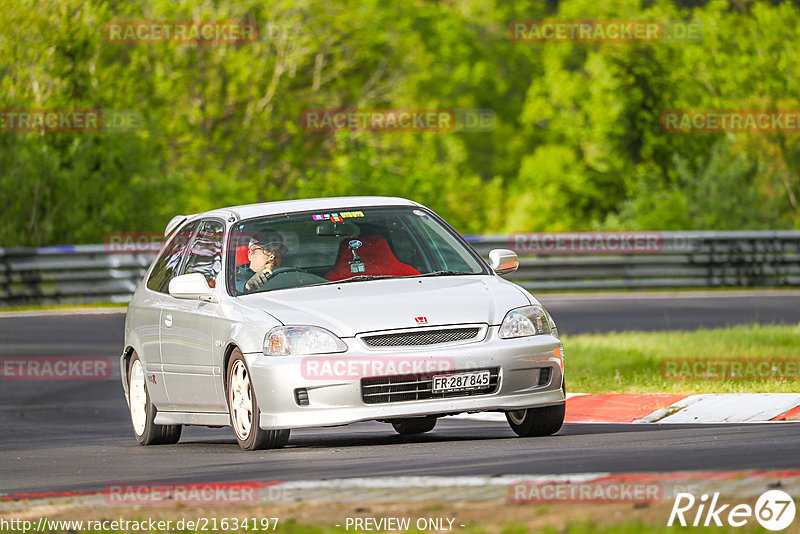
[{"x": 336, "y": 399}]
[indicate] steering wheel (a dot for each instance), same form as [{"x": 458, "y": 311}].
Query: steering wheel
[{"x": 281, "y": 270}]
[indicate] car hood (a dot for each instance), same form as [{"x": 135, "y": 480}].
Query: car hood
[{"x": 351, "y": 308}]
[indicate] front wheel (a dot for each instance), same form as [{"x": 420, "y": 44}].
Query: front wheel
[
  {"x": 243, "y": 408},
  {"x": 533, "y": 422},
  {"x": 143, "y": 412}
]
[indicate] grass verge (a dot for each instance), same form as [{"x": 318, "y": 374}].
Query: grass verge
[
  {"x": 62, "y": 307},
  {"x": 664, "y": 362}
]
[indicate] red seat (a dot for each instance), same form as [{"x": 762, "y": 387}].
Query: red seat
[
  {"x": 376, "y": 255},
  {"x": 241, "y": 255}
]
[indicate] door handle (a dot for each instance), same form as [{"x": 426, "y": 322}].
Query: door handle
[{"x": 168, "y": 320}]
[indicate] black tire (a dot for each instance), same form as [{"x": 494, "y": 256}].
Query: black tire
[
  {"x": 253, "y": 437},
  {"x": 171, "y": 434},
  {"x": 534, "y": 422},
  {"x": 417, "y": 425},
  {"x": 151, "y": 433}
]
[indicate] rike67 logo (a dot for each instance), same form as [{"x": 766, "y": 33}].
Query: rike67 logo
[{"x": 774, "y": 510}]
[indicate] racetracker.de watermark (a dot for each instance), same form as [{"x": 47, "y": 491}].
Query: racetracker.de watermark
[
  {"x": 70, "y": 120},
  {"x": 600, "y": 491},
  {"x": 725, "y": 120},
  {"x": 731, "y": 369},
  {"x": 150, "y": 242},
  {"x": 183, "y": 32},
  {"x": 605, "y": 31},
  {"x": 192, "y": 494},
  {"x": 136, "y": 242},
  {"x": 398, "y": 120},
  {"x": 354, "y": 367},
  {"x": 55, "y": 368},
  {"x": 602, "y": 243}
]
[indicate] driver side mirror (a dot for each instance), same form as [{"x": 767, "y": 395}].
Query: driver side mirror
[
  {"x": 191, "y": 286},
  {"x": 503, "y": 261}
]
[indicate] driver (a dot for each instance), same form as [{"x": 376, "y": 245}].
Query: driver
[{"x": 266, "y": 249}]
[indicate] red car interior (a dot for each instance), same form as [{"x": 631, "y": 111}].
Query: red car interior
[
  {"x": 241, "y": 255},
  {"x": 376, "y": 255}
]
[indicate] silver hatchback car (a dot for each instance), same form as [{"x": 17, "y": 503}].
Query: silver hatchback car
[{"x": 323, "y": 312}]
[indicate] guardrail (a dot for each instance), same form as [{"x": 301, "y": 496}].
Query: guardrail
[
  {"x": 651, "y": 259},
  {"x": 90, "y": 273},
  {"x": 75, "y": 273}
]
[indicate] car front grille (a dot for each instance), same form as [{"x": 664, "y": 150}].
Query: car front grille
[
  {"x": 401, "y": 388},
  {"x": 424, "y": 337}
]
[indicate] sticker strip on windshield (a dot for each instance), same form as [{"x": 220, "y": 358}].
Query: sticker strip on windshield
[{"x": 337, "y": 217}]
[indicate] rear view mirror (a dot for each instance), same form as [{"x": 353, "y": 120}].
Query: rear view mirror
[
  {"x": 337, "y": 229},
  {"x": 503, "y": 261}
]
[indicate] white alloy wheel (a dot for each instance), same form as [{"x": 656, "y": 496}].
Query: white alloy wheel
[
  {"x": 241, "y": 401},
  {"x": 517, "y": 417},
  {"x": 137, "y": 397},
  {"x": 143, "y": 411},
  {"x": 244, "y": 411}
]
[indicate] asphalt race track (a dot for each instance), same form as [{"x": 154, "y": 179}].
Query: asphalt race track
[
  {"x": 654, "y": 311},
  {"x": 76, "y": 435}
]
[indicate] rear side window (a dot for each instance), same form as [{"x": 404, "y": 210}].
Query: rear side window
[
  {"x": 169, "y": 261},
  {"x": 205, "y": 256}
]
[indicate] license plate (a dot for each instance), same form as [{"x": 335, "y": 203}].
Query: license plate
[{"x": 460, "y": 381}]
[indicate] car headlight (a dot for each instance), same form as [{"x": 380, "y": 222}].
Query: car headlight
[
  {"x": 301, "y": 340},
  {"x": 525, "y": 321}
]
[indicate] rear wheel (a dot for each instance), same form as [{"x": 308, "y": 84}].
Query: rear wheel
[
  {"x": 417, "y": 425},
  {"x": 244, "y": 411},
  {"x": 143, "y": 412}
]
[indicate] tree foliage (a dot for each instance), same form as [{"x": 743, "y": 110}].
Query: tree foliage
[{"x": 576, "y": 145}]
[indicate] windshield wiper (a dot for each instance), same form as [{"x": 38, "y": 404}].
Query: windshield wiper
[
  {"x": 444, "y": 273},
  {"x": 361, "y": 278},
  {"x": 364, "y": 277}
]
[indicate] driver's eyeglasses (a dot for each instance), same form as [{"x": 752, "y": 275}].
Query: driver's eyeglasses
[{"x": 274, "y": 249}]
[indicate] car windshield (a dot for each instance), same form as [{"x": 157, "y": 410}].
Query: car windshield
[{"x": 279, "y": 252}]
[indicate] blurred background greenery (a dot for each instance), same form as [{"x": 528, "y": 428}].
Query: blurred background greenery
[{"x": 577, "y": 145}]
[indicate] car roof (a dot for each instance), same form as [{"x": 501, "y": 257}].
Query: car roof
[{"x": 247, "y": 211}]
